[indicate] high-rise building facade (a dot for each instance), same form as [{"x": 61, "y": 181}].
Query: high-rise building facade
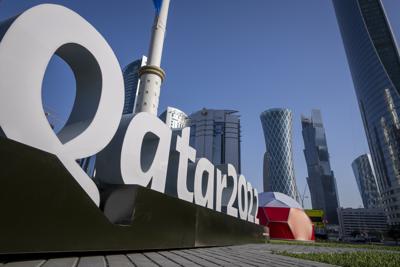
[
  {"x": 366, "y": 181},
  {"x": 278, "y": 158},
  {"x": 132, "y": 83},
  {"x": 215, "y": 134},
  {"x": 365, "y": 222},
  {"x": 375, "y": 68},
  {"x": 175, "y": 118},
  {"x": 321, "y": 180}
]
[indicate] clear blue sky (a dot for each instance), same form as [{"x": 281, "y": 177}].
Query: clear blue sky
[{"x": 247, "y": 55}]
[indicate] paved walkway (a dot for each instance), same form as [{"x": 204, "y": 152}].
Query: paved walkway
[{"x": 245, "y": 255}]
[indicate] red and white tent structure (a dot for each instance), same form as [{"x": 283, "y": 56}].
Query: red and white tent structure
[{"x": 284, "y": 217}]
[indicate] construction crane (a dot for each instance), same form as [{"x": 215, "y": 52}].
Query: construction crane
[{"x": 303, "y": 196}]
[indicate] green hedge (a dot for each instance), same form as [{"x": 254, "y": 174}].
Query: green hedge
[
  {"x": 351, "y": 259},
  {"x": 337, "y": 244}
]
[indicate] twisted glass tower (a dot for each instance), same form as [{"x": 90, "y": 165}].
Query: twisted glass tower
[
  {"x": 321, "y": 180},
  {"x": 375, "y": 68},
  {"x": 278, "y": 158}
]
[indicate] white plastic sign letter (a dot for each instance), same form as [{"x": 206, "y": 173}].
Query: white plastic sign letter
[
  {"x": 220, "y": 185},
  {"x": 242, "y": 198},
  {"x": 186, "y": 153},
  {"x": 145, "y": 152},
  {"x": 25, "y": 51},
  {"x": 204, "y": 168}
]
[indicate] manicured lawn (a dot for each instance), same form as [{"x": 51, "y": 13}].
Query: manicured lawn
[
  {"x": 337, "y": 244},
  {"x": 352, "y": 259}
]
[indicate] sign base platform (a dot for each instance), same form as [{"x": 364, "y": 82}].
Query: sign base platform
[{"x": 44, "y": 210}]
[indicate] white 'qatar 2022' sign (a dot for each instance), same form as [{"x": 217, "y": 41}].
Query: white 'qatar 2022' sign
[{"x": 149, "y": 153}]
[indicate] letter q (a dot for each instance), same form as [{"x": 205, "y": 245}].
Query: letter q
[{"x": 28, "y": 42}]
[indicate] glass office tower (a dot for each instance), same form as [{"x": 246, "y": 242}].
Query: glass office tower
[
  {"x": 375, "y": 68},
  {"x": 366, "y": 182},
  {"x": 132, "y": 82},
  {"x": 215, "y": 134},
  {"x": 321, "y": 180},
  {"x": 278, "y": 158}
]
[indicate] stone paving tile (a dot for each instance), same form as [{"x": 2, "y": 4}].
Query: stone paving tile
[
  {"x": 36, "y": 263},
  {"x": 244, "y": 257},
  {"x": 61, "y": 262},
  {"x": 179, "y": 259},
  {"x": 118, "y": 261},
  {"x": 232, "y": 260},
  {"x": 161, "y": 260},
  {"x": 141, "y": 260},
  {"x": 203, "y": 256},
  {"x": 98, "y": 261},
  {"x": 190, "y": 257}
]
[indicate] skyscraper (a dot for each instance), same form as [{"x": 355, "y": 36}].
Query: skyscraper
[
  {"x": 278, "y": 158},
  {"x": 175, "y": 118},
  {"x": 132, "y": 83},
  {"x": 375, "y": 67},
  {"x": 366, "y": 182},
  {"x": 321, "y": 180},
  {"x": 215, "y": 134}
]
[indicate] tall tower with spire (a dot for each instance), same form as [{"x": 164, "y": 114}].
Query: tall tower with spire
[{"x": 151, "y": 75}]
